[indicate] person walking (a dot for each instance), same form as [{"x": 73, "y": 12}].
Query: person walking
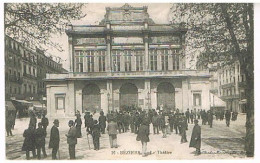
[
  {"x": 187, "y": 114},
  {"x": 155, "y": 122},
  {"x": 40, "y": 135},
  {"x": 143, "y": 136},
  {"x": 54, "y": 139},
  {"x": 227, "y": 117},
  {"x": 33, "y": 120},
  {"x": 45, "y": 122},
  {"x": 78, "y": 123},
  {"x": 102, "y": 122},
  {"x": 210, "y": 118},
  {"x": 183, "y": 127},
  {"x": 29, "y": 142},
  {"x": 131, "y": 121},
  {"x": 72, "y": 139},
  {"x": 191, "y": 116},
  {"x": 112, "y": 132},
  {"x": 196, "y": 137},
  {"x": 96, "y": 135}
]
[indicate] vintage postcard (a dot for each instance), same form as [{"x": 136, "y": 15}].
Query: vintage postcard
[{"x": 129, "y": 81}]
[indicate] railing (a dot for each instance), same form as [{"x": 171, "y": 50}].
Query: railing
[
  {"x": 15, "y": 79},
  {"x": 227, "y": 85},
  {"x": 236, "y": 96},
  {"x": 171, "y": 73}
]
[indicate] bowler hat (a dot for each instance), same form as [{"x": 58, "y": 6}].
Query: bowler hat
[{"x": 56, "y": 121}]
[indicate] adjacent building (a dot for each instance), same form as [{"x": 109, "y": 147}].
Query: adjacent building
[
  {"x": 231, "y": 88},
  {"x": 126, "y": 60},
  {"x": 25, "y": 69}
]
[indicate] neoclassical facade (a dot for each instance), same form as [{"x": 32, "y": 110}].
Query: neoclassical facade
[{"x": 126, "y": 60}]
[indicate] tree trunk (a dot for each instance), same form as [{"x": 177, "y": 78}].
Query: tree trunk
[{"x": 249, "y": 139}]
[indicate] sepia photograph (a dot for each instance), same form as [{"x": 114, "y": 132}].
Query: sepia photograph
[{"x": 129, "y": 81}]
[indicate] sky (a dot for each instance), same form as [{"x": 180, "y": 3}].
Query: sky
[{"x": 95, "y": 13}]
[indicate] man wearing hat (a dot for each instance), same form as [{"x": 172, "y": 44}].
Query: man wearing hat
[
  {"x": 54, "y": 139},
  {"x": 196, "y": 137},
  {"x": 40, "y": 135},
  {"x": 72, "y": 139}
]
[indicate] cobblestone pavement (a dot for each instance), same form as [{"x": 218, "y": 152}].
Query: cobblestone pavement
[{"x": 219, "y": 142}]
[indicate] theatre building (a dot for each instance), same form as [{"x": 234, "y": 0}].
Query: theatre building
[{"x": 126, "y": 60}]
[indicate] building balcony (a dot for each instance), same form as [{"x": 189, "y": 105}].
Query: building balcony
[
  {"x": 230, "y": 97},
  {"x": 29, "y": 76},
  {"x": 127, "y": 75},
  {"x": 15, "y": 79},
  {"x": 242, "y": 84},
  {"x": 227, "y": 85}
]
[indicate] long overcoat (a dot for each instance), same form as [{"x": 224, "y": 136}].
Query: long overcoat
[
  {"x": 196, "y": 137},
  {"x": 72, "y": 136},
  {"x": 143, "y": 133},
  {"x": 40, "y": 135},
  {"x": 29, "y": 140},
  {"x": 54, "y": 138}
]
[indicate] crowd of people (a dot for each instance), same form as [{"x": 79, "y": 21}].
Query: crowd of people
[{"x": 115, "y": 122}]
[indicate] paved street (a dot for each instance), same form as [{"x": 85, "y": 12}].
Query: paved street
[{"x": 219, "y": 142}]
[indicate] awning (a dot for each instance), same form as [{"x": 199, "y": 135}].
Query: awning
[{"x": 35, "y": 103}]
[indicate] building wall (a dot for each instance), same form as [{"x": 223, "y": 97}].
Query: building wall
[
  {"x": 72, "y": 93},
  {"x": 26, "y": 67}
]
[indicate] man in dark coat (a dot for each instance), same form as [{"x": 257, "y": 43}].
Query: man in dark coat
[
  {"x": 196, "y": 137},
  {"x": 227, "y": 117},
  {"x": 102, "y": 122},
  {"x": 187, "y": 114},
  {"x": 40, "y": 135},
  {"x": 78, "y": 123},
  {"x": 45, "y": 122},
  {"x": 191, "y": 116},
  {"x": 143, "y": 136},
  {"x": 126, "y": 121},
  {"x": 176, "y": 122},
  {"x": 96, "y": 135},
  {"x": 171, "y": 121},
  {"x": 198, "y": 114},
  {"x": 120, "y": 122},
  {"x": 204, "y": 117},
  {"x": 210, "y": 118},
  {"x": 137, "y": 121},
  {"x": 33, "y": 120},
  {"x": 72, "y": 139},
  {"x": 88, "y": 121},
  {"x": 54, "y": 139},
  {"x": 183, "y": 126},
  {"x": 131, "y": 121},
  {"x": 155, "y": 122},
  {"x": 29, "y": 142}
]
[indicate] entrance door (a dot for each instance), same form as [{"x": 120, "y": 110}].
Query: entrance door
[
  {"x": 128, "y": 95},
  {"x": 91, "y": 98},
  {"x": 166, "y": 95}
]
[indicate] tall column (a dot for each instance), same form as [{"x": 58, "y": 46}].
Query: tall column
[
  {"x": 109, "y": 95},
  {"x": 147, "y": 92},
  {"x": 70, "y": 110},
  {"x": 108, "y": 56},
  {"x": 71, "y": 55},
  {"x": 146, "y": 52}
]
